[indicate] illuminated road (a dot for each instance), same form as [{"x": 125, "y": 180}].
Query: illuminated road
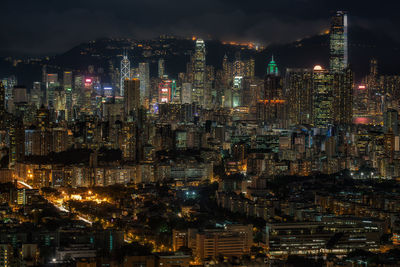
[
  {"x": 60, "y": 208},
  {"x": 25, "y": 184}
]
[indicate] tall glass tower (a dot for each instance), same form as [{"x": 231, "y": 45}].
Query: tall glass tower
[
  {"x": 125, "y": 72},
  {"x": 323, "y": 98},
  {"x": 199, "y": 71},
  {"x": 338, "y": 42}
]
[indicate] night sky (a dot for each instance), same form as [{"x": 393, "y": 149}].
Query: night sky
[{"x": 52, "y": 26}]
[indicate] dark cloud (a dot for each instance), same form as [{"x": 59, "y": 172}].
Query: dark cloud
[{"x": 51, "y": 26}]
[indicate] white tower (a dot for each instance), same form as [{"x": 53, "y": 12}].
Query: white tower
[{"x": 125, "y": 72}]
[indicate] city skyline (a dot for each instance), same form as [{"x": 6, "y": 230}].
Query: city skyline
[
  {"x": 193, "y": 152},
  {"x": 53, "y": 28}
]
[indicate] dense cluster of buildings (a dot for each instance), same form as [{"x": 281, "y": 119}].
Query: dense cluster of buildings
[{"x": 137, "y": 132}]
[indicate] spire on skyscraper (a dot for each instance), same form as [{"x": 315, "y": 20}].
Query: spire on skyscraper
[{"x": 272, "y": 68}]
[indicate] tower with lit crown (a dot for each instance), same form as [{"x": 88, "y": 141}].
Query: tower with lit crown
[
  {"x": 272, "y": 68},
  {"x": 271, "y": 108}
]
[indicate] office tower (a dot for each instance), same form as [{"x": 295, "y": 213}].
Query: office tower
[
  {"x": 125, "y": 72},
  {"x": 67, "y": 84},
  {"x": 372, "y": 79},
  {"x": 271, "y": 108},
  {"x": 20, "y": 101},
  {"x": 236, "y": 92},
  {"x": 9, "y": 84},
  {"x": 391, "y": 121},
  {"x": 144, "y": 77},
  {"x": 166, "y": 90},
  {"x": 338, "y": 42},
  {"x": 87, "y": 94},
  {"x": 249, "y": 68},
  {"x": 199, "y": 72},
  {"x": 186, "y": 93},
  {"x": 343, "y": 97},
  {"x": 132, "y": 97},
  {"x": 238, "y": 66},
  {"x": 36, "y": 95},
  {"x": 161, "y": 68},
  {"x": 323, "y": 97},
  {"x": 272, "y": 68},
  {"x": 299, "y": 89},
  {"x": 51, "y": 84}
]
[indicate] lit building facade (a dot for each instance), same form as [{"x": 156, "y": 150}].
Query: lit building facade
[
  {"x": 323, "y": 98},
  {"x": 199, "y": 72},
  {"x": 338, "y": 42}
]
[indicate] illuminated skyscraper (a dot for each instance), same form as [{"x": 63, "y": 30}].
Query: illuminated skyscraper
[
  {"x": 132, "y": 97},
  {"x": 338, "y": 42},
  {"x": 125, "y": 72},
  {"x": 238, "y": 66},
  {"x": 299, "y": 89},
  {"x": 186, "y": 93},
  {"x": 144, "y": 77},
  {"x": 166, "y": 90},
  {"x": 161, "y": 68},
  {"x": 35, "y": 94},
  {"x": 343, "y": 97},
  {"x": 67, "y": 84},
  {"x": 391, "y": 121},
  {"x": 272, "y": 68},
  {"x": 51, "y": 84},
  {"x": 323, "y": 98},
  {"x": 199, "y": 72},
  {"x": 271, "y": 108}
]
